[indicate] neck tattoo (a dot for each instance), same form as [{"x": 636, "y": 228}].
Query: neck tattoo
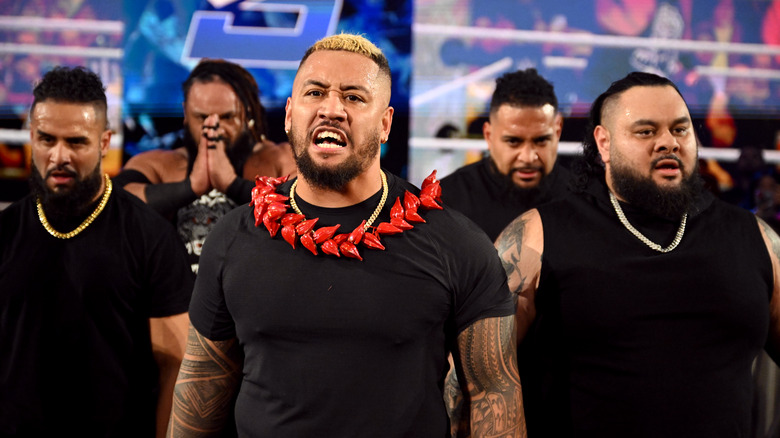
[
  {"x": 271, "y": 210},
  {"x": 91, "y": 218},
  {"x": 640, "y": 236}
]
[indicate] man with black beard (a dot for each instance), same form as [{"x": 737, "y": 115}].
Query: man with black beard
[
  {"x": 520, "y": 171},
  {"x": 95, "y": 286},
  {"x": 645, "y": 299},
  {"x": 223, "y": 148},
  {"x": 328, "y": 307}
]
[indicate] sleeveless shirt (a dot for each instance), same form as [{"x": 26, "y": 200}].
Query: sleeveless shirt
[{"x": 629, "y": 341}]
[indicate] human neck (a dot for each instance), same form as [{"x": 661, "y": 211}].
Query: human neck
[{"x": 358, "y": 190}]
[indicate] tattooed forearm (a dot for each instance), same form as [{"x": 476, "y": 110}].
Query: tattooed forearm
[
  {"x": 488, "y": 358},
  {"x": 207, "y": 382},
  {"x": 456, "y": 405}
]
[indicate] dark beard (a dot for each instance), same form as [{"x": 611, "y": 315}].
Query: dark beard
[
  {"x": 237, "y": 152},
  {"x": 521, "y": 195},
  {"x": 333, "y": 178},
  {"x": 70, "y": 204},
  {"x": 642, "y": 192}
]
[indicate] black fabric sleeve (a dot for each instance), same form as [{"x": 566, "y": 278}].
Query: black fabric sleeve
[
  {"x": 130, "y": 176},
  {"x": 166, "y": 198},
  {"x": 240, "y": 190},
  {"x": 476, "y": 274},
  {"x": 208, "y": 309}
]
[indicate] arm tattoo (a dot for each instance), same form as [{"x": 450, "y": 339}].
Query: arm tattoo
[
  {"x": 208, "y": 380},
  {"x": 772, "y": 236},
  {"x": 508, "y": 245},
  {"x": 456, "y": 405},
  {"x": 488, "y": 358}
]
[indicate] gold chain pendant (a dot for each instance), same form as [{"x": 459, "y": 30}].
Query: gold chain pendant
[{"x": 87, "y": 221}]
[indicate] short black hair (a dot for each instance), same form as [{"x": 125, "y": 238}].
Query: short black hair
[
  {"x": 523, "y": 88},
  {"x": 240, "y": 80},
  {"x": 71, "y": 85}
]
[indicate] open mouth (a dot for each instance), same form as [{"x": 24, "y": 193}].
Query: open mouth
[
  {"x": 526, "y": 172},
  {"x": 668, "y": 166},
  {"x": 329, "y": 140},
  {"x": 61, "y": 176}
]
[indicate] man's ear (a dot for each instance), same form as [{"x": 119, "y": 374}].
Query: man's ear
[
  {"x": 105, "y": 142},
  {"x": 603, "y": 139}
]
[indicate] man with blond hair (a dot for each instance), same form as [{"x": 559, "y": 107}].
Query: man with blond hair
[{"x": 317, "y": 327}]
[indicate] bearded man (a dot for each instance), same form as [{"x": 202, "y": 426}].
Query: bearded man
[
  {"x": 645, "y": 299},
  {"x": 521, "y": 169},
  {"x": 95, "y": 286},
  {"x": 224, "y": 147},
  {"x": 328, "y": 329}
]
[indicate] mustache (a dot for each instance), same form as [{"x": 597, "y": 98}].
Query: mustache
[
  {"x": 526, "y": 169},
  {"x": 62, "y": 169},
  {"x": 667, "y": 157}
]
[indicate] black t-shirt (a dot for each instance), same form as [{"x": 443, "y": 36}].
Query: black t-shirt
[
  {"x": 342, "y": 347},
  {"x": 485, "y": 196},
  {"x": 631, "y": 342},
  {"x": 75, "y": 352}
]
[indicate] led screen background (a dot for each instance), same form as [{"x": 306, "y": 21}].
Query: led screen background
[
  {"x": 144, "y": 50},
  {"x": 723, "y": 55}
]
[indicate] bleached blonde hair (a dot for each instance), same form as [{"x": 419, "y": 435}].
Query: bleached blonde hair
[{"x": 351, "y": 43}]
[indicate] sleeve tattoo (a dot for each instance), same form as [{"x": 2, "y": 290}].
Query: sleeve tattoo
[
  {"x": 488, "y": 357},
  {"x": 508, "y": 245},
  {"x": 207, "y": 382}
]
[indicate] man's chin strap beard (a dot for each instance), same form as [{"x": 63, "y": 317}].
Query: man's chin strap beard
[{"x": 73, "y": 204}]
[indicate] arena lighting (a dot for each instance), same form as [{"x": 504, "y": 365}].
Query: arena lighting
[
  {"x": 577, "y": 38},
  {"x": 572, "y": 38},
  {"x": 574, "y": 148},
  {"x": 61, "y": 24}
]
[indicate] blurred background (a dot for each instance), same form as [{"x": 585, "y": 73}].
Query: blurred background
[{"x": 445, "y": 56}]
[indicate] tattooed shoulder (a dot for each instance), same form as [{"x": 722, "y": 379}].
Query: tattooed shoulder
[{"x": 770, "y": 235}]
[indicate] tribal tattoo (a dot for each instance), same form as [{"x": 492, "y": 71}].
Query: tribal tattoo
[
  {"x": 456, "y": 406},
  {"x": 488, "y": 358},
  {"x": 508, "y": 245},
  {"x": 207, "y": 382}
]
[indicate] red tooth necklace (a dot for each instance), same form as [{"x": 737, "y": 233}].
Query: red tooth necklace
[{"x": 270, "y": 209}]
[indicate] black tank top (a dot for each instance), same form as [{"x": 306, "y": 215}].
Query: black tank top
[{"x": 629, "y": 341}]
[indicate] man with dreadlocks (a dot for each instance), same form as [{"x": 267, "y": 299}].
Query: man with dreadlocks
[
  {"x": 647, "y": 299},
  {"x": 223, "y": 148}
]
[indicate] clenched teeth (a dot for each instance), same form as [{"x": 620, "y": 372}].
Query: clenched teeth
[{"x": 329, "y": 139}]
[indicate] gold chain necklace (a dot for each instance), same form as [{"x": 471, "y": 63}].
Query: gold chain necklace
[
  {"x": 87, "y": 221},
  {"x": 371, "y": 218},
  {"x": 640, "y": 236}
]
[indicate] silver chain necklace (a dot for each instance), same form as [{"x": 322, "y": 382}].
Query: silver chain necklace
[{"x": 640, "y": 236}]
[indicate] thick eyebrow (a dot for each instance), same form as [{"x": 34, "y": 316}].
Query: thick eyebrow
[
  {"x": 677, "y": 121},
  {"x": 75, "y": 139},
  {"x": 320, "y": 84}
]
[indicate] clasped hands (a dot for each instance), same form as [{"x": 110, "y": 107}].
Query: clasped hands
[{"x": 212, "y": 168}]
